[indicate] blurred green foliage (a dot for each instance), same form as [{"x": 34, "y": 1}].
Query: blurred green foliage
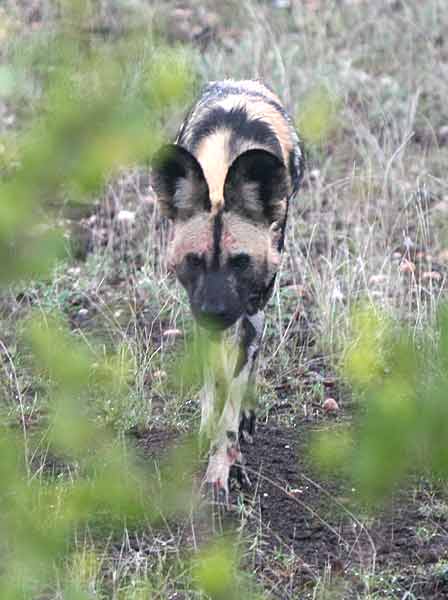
[
  {"x": 317, "y": 116},
  {"x": 401, "y": 384},
  {"x": 99, "y": 104},
  {"x": 201, "y": 349},
  {"x": 93, "y": 116},
  {"x": 215, "y": 571}
]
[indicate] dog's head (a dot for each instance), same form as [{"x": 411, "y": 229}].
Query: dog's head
[{"x": 225, "y": 253}]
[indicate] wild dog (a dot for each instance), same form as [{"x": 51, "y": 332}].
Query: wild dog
[{"x": 226, "y": 183}]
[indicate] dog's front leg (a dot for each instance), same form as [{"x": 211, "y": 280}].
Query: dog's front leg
[
  {"x": 215, "y": 373},
  {"x": 247, "y": 416},
  {"x": 225, "y": 451},
  {"x": 207, "y": 401}
]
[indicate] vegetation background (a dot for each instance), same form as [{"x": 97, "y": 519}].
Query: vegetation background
[{"x": 100, "y": 474}]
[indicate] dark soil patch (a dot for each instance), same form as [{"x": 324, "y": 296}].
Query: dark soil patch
[
  {"x": 155, "y": 443},
  {"x": 303, "y": 512},
  {"x": 306, "y": 526}
]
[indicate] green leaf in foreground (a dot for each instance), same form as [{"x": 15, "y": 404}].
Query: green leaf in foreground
[{"x": 401, "y": 387}]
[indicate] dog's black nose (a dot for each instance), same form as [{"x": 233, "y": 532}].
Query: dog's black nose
[{"x": 213, "y": 311}]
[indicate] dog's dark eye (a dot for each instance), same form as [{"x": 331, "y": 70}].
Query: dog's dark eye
[
  {"x": 194, "y": 261},
  {"x": 240, "y": 262}
]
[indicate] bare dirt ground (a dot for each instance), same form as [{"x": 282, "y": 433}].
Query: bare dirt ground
[{"x": 306, "y": 525}]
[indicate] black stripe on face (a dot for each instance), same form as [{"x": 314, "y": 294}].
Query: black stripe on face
[
  {"x": 241, "y": 126},
  {"x": 217, "y": 235}
]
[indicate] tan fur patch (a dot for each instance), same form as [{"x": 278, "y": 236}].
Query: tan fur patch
[
  {"x": 213, "y": 156},
  {"x": 194, "y": 235}
]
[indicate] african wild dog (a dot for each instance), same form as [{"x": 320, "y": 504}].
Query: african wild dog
[{"x": 226, "y": 184}]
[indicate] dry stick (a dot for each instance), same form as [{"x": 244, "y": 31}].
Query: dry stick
[
  {"x": 43, "y": 457},
  {"x": 28, "y": 459},
  {"x": 264, "y": 25},
  {"x": 390, "y": 162},
  {"x": 20, "y": 399},
  {"x": 292, "y": 320},
  {"x": 284, "y": 337}
]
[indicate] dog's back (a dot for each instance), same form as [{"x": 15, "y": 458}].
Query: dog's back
[{"x": 232, "y": 117}]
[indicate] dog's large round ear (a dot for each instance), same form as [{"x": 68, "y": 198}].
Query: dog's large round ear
[
  {"x": 179, "y": 183},
  {"x": 256, "y": 187}
]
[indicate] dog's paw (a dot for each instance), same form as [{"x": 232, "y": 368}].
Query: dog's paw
[
  {"x": 217, "y": 478},
  {"x": 225, "y": 461},
  {"x": 217, "y": 494},
  {"x": 247, "y": 426}
]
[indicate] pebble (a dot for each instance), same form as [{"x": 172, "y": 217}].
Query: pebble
[
  {"x": 407, "y": 266},
  {"x": 172, "y": 333},
  {"x": 126, "y": 217},
  {"x": 377, "y": 279},
  {"x": 431, "y": 275},
  {"x": 330, "y": 406}
]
